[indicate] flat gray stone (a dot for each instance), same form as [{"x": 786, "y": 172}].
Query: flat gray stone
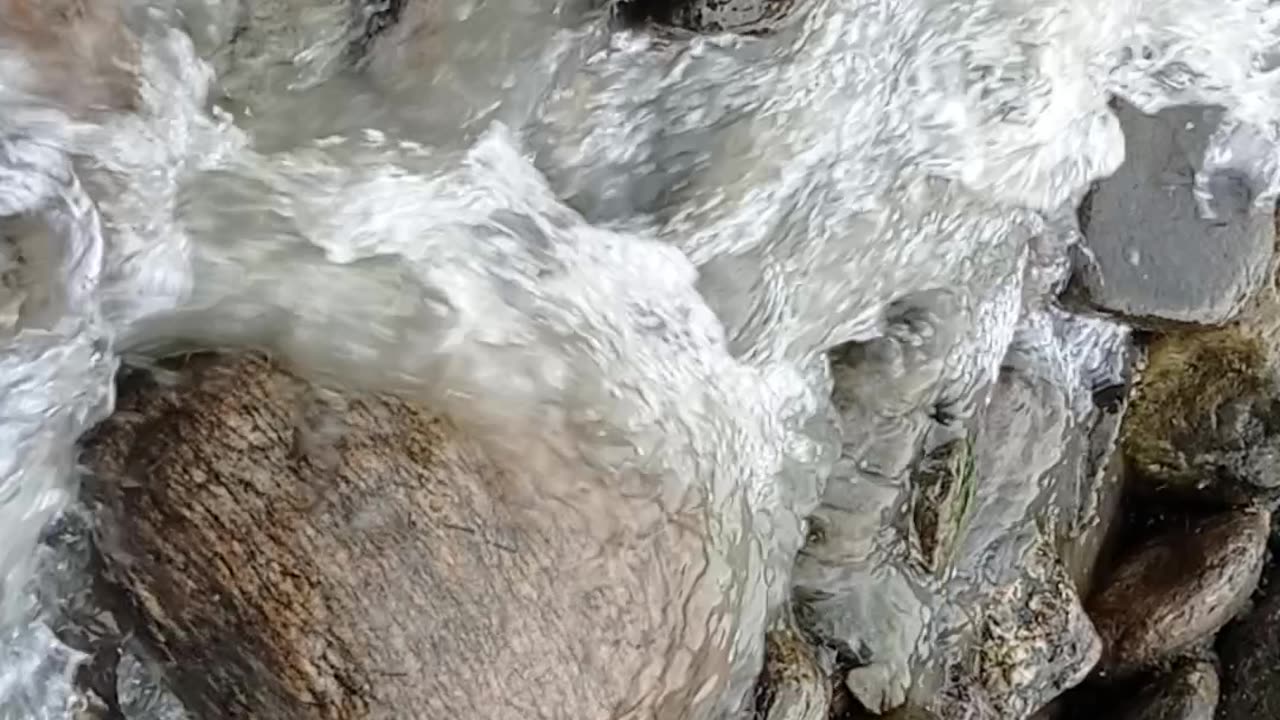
[{"x": 1156, "y": 261}]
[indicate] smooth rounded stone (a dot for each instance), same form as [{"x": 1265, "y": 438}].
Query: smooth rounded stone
[
  {"x": 1178, "y": 589},
  {"x": 1205, "y": 419},
  {"x": 1154, "y": 259},
  {"x": 1250, "y": 654},
  {"x": 1188, "y": 693}
]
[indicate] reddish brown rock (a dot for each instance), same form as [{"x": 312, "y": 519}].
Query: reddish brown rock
[
  {"x": 82, "y": 55},
  {"x": 1178, "y": 589}
]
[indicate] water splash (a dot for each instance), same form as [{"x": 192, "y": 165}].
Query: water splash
[{"x": 642, "y": 241}]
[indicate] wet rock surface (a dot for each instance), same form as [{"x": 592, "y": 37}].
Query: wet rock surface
[
  {"x": 1034, "y": 642},
  {"x": 997, "y": 523},
  {"x": 1190, "y": 692},
  {"x": 748, "y": 17},
  {"x": 794, "y": 683},
  {"x": 1174, "y": 592},
  {"x": 1250, "y": 654},
  {"x": 1205, "y": 422},
  {"x": 1154, "y": 259}
]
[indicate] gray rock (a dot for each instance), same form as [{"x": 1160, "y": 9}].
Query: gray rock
[
  {"x": 1188, "y": 693},
  {"x": 1177, "y": 590},
  {"x": 142, "y": 691},
  {"x": 1250, "y": 654},
  {"x": 1155, "y": 259},
  {"x": 1034, "y": 642}
]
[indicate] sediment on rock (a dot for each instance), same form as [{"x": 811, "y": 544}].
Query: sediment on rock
[
  {"x": 1250, "y": 654},
  {"x": 388, "y": 577}
]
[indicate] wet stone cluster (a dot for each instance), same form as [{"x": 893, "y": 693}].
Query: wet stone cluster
[
  {"x": 1010, "y": 551},
  {"x": 1140, "y": 582}
]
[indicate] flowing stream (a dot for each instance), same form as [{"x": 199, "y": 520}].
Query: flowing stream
[{"x": 768, "y": 268}]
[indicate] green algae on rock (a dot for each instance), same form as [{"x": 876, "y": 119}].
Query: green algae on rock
[
  {"x": 1175, "y": 591},
  {"x": 942, "y": 492},
  {"x": 1205, "y": 420}
]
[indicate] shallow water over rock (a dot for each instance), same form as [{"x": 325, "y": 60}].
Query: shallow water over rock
[{"x": 754, "y": 276}]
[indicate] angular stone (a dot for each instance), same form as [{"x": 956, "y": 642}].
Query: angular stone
[
  {"x": 1250, "y": 653},
  {"x": 1034, "y": 642},
  {"x": 1178, "y": 589},
  {"x": 1155, "y": 260},
  {"x": 1205, "y": 420},
  {"x": 1188, "y": 693}
]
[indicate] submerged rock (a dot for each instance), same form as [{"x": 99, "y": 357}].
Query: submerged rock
[
  {"x": 1154, "y": 259},
  {"x": 942, "y": 492},
  {"x": 794, "y": 684},
  {"x": 142, "y": 691},
  {"x": 1034, "y": 642},
  {"x": 1250, "y": 653},
  {"x": 1205, "y": 421},
  {"x": 1188, "y": 693},
  {"x": 1178, "y": 589}
]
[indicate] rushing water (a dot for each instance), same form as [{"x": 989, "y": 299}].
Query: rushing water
[{"x": 645, "y": 241}]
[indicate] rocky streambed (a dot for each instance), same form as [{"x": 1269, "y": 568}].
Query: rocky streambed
[
  {"x": 1054, "y": 464},
  {"x": 1174, "y": 569},
  {"x": 1133, "y": 527}
]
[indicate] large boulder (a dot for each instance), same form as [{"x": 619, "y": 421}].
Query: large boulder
[{"x": 291, "y": 552}]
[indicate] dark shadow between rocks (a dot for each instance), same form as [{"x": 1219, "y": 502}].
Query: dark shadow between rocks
[{"x": 746, "y": 17}]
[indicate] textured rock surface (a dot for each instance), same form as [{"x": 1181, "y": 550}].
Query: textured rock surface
[
  {"x": 1156, "y": 259},
  {"x": 744, "y": 16},
  {"x": 1178, "y": 589},
  {"x": 1001, "y": 522},
  {"x": 391, "y": 571},
  {"x": 1205, "y": 421},
  {"x": 1190, "y": 692},
  {"x": 1250, "y": 653},
  {"x": 1034, "y": 642},
  {"x": 793, "y": 685}
]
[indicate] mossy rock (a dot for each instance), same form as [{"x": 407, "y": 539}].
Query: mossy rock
[
  {"x": 1205, "y": 420},
  {"x": 943, "y": 486}
]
